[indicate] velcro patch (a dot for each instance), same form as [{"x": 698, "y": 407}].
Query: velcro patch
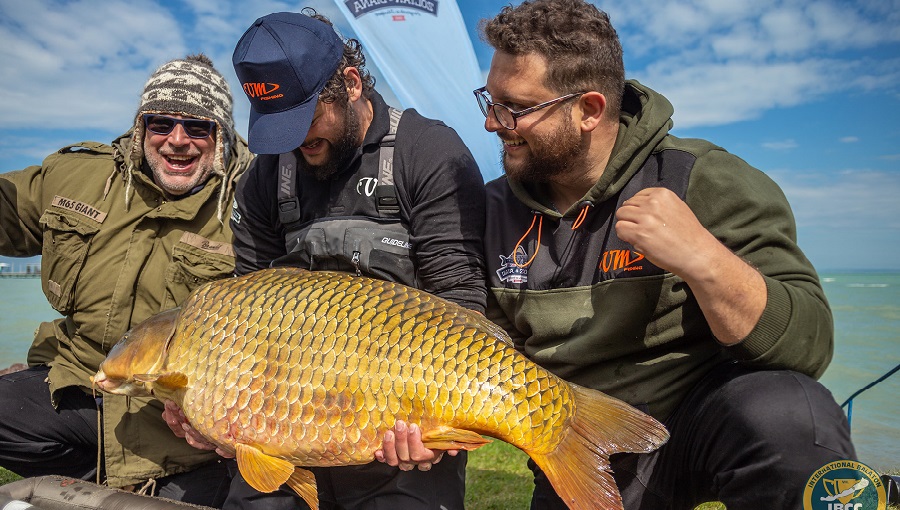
[
  {"x": 79, "y": 207},
  {"x": 198, "y": 241}
]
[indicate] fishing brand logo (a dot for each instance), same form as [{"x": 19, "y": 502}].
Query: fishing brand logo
[
  {"x": 359, "y": 7},
  {"x": 261, "y": 91},
  {"x": 844, "y": 485},
  {"x": 615, "y": 260},
  {"x": 366, "y": 186},
  {"x": 511, "y": 269}
]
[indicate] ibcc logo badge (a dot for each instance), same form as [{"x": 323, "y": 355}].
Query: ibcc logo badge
[{"x": 844, "y": 485}]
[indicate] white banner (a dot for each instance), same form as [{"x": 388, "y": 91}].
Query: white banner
[{"x": 423, "y": 51}]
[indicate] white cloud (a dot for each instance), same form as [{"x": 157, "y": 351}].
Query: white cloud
[
  {"x": 714, "y": 94},
  {"x": 780, "y": 145},
  {"x": 59, "y": 72},
  {"x": 847, "y": 199}
]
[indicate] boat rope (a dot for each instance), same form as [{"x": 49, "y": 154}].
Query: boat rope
[{"x": 849, "y": 402}]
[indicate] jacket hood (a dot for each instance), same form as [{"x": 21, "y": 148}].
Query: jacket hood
[{"x": 645, "y": 120}]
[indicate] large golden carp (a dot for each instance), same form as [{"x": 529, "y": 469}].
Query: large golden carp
[{"x": 287, "y": 368}]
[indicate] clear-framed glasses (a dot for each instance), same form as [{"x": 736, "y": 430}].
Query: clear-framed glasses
[{"x": 505, "y": 115}]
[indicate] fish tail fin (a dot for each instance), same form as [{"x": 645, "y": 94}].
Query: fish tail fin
[{"x": 578, "y": 468}]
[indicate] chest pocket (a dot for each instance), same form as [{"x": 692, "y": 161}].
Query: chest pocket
[
  {"x": 192, "y": 267},
  {"x": 377, "y": 248},
  {"x": 67, "y": 238}
]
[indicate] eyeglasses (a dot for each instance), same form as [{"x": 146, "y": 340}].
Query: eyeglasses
[
  {"x": 163, "y": 125},
  {"x": 505, "y": 115}
]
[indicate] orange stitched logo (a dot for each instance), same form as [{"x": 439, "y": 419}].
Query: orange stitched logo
[
  {"x": 614, "y": 260},
  {"x": 261, "y": 89}
]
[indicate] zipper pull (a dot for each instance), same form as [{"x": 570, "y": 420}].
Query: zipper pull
[{"x": 355, "y": 261}]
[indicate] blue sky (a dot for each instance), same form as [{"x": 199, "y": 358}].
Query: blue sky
[{"x": 809, "y": 92}]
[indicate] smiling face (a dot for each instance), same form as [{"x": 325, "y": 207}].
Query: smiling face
[
  {"x": 179, "y": 163},
  {"x": 333, "y": 138},
  {"x": 546, "y": 145}
]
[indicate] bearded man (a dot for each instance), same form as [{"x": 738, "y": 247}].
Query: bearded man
[{"x": 662, "y": 271}]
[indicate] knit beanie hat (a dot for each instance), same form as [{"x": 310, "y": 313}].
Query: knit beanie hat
[{"x": 189, "y": 87}]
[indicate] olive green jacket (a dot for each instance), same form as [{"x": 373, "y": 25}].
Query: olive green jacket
[{"x": 115, "y": 250}]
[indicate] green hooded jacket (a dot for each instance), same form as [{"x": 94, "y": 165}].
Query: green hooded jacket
[
  {"x": 595, "y": 312},
  {"x": 114, "y": 251}
]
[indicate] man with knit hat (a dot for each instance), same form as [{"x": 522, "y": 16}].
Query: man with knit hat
[
  {"x": 344, "y": 182},
  {"x": 125, "y": 231}
]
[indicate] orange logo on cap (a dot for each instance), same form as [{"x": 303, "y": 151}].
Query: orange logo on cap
[{"x": 260, "y": 90}]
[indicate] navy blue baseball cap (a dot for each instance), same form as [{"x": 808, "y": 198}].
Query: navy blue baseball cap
[{"x": 283, "y": 61}]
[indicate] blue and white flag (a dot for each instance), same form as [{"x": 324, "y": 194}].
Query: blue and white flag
[{"x": 423, "y": 51}]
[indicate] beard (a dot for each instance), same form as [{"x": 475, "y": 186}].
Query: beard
[
  {"x": 340, "y": 152},
  {"x": 553, "y": 155}
]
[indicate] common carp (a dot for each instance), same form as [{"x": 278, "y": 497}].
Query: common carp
[{"x": 287, "y": 368}]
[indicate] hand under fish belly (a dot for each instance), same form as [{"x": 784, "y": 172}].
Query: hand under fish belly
[{"x": 286, "y": 368}]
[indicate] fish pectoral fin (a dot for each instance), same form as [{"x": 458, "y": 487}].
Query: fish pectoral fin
[
  {"x": 264, "y": 473},
  {"x": 304, "y": 484},
  {"x": 174, "y": 380},
  {"x": 448, "y": 438}
]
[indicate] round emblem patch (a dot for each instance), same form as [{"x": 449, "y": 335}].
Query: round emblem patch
[{"x": 844, "y": 485}]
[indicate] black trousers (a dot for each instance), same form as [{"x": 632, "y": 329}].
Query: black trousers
[
  {"x": 373, "y": 486},
  {"x": 38, "y": 440},
  {"x": 750, "y": 439}
]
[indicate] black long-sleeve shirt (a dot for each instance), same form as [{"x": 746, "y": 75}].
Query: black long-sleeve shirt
[{"x": 440, "y": 192}]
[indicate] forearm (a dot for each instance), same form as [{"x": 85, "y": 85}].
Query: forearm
[{"x": 732, "y": 295}]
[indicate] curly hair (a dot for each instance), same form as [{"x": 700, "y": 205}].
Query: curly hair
[
  {"x": 581, "y": 47},
  {"x": 353, "y": 56}
]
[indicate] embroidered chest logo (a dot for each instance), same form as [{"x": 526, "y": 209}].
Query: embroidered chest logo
[
  {"x": 366, "y": 186},
  {"x": 625, "y": 260},
  {"x": 79, "y": 207},
  {"x": 510, "y": 267}
]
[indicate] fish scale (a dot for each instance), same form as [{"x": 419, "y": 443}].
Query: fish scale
[{"x": 291, "y": 369}]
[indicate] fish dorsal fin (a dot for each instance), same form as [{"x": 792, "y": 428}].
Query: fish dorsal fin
[
  {"x": 174, "y": 380},
  {"x": 448, "y": 438},
  {"x": 304, "y": 483},
  {"x": 263, "y": 472}
]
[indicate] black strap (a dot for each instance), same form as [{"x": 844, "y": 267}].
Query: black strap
[
  {"x": 288, "y": 203},
  {"x": 385, "y": 193}
]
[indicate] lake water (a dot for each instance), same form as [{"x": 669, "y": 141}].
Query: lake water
[{"x": 867, "y": 324}]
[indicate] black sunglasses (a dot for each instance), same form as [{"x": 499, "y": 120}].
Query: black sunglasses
[{"x": 163, "y": 125}]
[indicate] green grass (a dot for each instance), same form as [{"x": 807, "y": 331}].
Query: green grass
[
  {"x": 497, "y": 478},
  {"x": 7, "y": 476}
]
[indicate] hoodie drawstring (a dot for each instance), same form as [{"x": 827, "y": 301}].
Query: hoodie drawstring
[
  {"x": 582, "y": 215},
  {"x": 538, "y": 247},
  {"x": 539, "y": 218}
]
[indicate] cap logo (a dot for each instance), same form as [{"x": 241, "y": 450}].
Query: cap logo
[{"x": 262, "y": 91}]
